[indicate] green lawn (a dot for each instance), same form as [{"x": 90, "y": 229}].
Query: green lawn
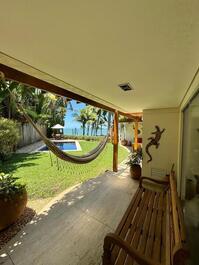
[{"x": 44, "y": 180}]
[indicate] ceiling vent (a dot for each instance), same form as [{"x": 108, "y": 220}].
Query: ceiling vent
[{"x": 126, "y": 87}]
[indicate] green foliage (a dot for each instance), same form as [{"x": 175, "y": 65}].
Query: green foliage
[
  {"x": 9, "y": 136},
  {"x": 43, "y": 180},
  {"x": 93, "y": 119},
  {"x": 135, "y": 158},
  {"x": 9, "y": 187},
  {"x": 44, "y": 108}
]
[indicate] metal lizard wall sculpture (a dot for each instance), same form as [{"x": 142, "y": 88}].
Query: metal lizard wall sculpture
[{"x": 154, "y": 141}]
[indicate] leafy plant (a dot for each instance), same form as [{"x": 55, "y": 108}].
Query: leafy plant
[
  {"x": 135, "y": 158},
  {"x": 9, "y": 136},
  {"x": 9, "y": 187},
  {"x": 44, "y": 108}
]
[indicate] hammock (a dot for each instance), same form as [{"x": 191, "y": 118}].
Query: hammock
[{"x": 83, "y": 159}]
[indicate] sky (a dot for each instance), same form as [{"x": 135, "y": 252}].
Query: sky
[{"x": 70, "y": 122}]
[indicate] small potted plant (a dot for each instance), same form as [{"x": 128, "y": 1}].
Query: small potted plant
[
  {"x": 135, "y": 160},
  {"x": 13, "y": 200}
]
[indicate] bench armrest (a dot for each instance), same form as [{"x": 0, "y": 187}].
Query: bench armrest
[
  {"x": 162, "y": 182},
  {"x": 113, "y": 239}
]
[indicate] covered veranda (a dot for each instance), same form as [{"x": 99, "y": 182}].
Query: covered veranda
[
  {"x": 71, "y": 229},
  {"x": 92, "y": 51}
]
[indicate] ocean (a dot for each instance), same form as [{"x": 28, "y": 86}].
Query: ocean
[{"x": 79, "y": 131}]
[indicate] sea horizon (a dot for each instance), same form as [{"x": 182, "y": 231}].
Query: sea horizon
[{"x": 79, "y": 131}]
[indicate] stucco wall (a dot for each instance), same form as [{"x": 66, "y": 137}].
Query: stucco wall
[{"x": 167, "y": 153}]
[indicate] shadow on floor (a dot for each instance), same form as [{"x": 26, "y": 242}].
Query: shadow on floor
[
  {"x": 72, "y": 229},
  {"x": 7, "y": 234}
]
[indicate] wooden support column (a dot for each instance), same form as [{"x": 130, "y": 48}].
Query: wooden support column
[
  {"x": 115, "y": 142},
  {"x": 136, "y": 136}
]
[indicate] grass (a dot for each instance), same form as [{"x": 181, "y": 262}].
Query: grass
[{"x": 44, "y": 180}]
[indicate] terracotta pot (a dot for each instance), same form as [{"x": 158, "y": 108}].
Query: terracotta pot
[
  {"x": 135, "y": 171},
  {"x": 10, "y": 210}
]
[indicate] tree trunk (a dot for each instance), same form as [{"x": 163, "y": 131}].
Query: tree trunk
[
  {"x": 92, "y": 128},
  {"x": 88, "y": 129},
  {"x": 109, "y": 120},
  {"x": 83, "y": 127}
]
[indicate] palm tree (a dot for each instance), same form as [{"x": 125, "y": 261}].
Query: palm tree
[
  {"x": 41, "y": 106},
  {"x": 7, "y": 102},
  {"x": 104, "y": 118},
  {"x": 86, "y": 116}
]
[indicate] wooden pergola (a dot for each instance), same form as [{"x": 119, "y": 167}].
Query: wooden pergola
[{"x": 21, "y": 77}]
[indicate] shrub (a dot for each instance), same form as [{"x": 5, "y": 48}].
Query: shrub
[
  {"x": 9, "y": 187},
  {"x": 135, "y": 158},
  {"x": 9, "y": 136}
]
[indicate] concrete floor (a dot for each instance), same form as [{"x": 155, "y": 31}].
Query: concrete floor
[{"x": 72, "y": 230}]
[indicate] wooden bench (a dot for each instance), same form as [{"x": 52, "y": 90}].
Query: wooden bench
[{"x": 152, "y": 230}]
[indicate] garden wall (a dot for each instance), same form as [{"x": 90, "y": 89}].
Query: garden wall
[{"x": 28, "y": 134}]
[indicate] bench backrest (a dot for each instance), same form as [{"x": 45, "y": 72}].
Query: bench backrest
[{"x": 177, "y": 240}]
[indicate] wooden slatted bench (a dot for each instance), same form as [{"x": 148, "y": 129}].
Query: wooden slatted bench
[{"x": 151, "y": 231}]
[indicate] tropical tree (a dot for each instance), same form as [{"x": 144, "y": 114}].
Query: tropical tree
[
  {"x": 85, "y": 116},
  {"x": 43, "y": 107},
  {"x": 93, "y": 119}
]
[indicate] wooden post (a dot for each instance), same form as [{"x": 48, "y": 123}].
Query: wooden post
[
  {"x": 115, "y": 142},
  {"x": 136, "y": 136}
]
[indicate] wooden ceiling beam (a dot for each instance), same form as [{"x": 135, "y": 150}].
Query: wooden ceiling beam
[
  {"x": 16, "y": 75},
  {"x": 21, "y": 77}
]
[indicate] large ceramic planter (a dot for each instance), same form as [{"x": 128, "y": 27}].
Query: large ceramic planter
[
  {"x": 135, "y": 171},
  {"x": 11, "y": 209}
]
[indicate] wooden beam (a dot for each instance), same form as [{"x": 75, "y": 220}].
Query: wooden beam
[
  {"x": 115, "y": 142},
  {"x": 136, "y": 136},
  {"x": 16, "y": 75},
  {"x": 21, "y": 77},
  {"x": 131, "y": 116}
]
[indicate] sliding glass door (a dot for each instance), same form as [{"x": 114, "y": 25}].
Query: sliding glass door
[{"x": 190, "y": 176}]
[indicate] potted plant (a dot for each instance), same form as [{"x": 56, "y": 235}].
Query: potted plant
[
  {"x": 13, "y": 199},
  {"x": 135, "y": 160}
]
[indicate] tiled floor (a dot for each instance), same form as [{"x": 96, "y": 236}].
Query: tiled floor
[{"x": 71, "y": 232}]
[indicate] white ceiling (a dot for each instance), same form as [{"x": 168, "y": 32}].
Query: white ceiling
[{"x": 96, "y": 45}]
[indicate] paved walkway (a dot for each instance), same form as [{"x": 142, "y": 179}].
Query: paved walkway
[
  {"x": 30, "y": 148},
  {"x": 72, "y": 230}
]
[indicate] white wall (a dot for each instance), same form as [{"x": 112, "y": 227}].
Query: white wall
[
  {"x": 127, "y": 132},
  {"x": 167, "y": 153}
]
